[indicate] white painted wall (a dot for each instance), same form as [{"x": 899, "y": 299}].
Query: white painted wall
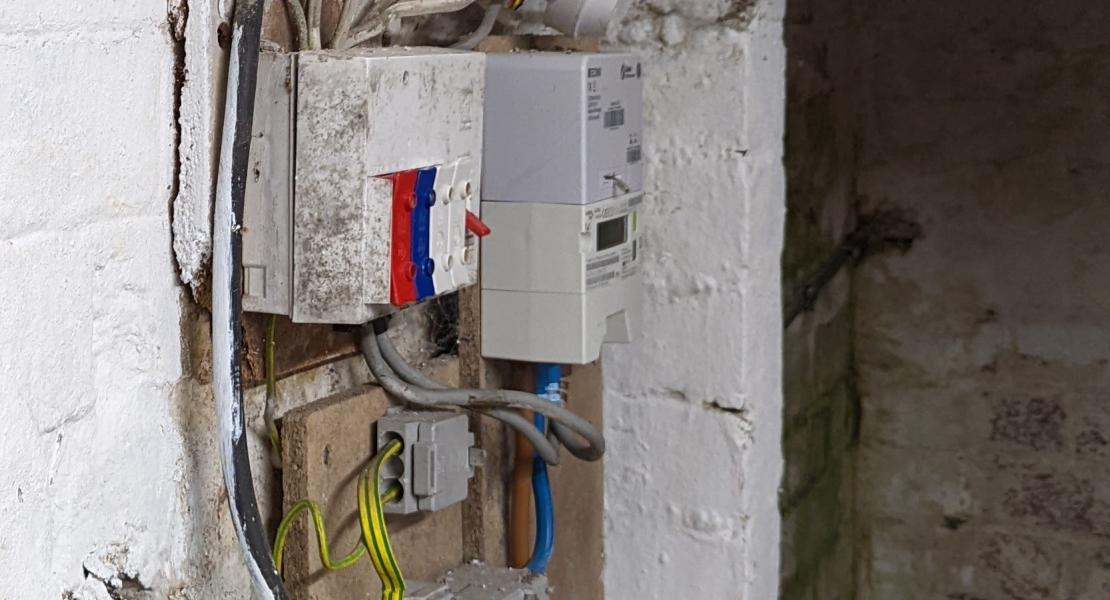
[
  {"x": 109, "y": 476},
  {"x": 89, "y": 303},
  {"x": 694, "y": 410}
]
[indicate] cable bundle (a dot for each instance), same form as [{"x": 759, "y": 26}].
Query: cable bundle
[{"x": 406, "y": 383}]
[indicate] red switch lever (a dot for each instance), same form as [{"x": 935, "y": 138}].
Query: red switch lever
[{"x": 476, "y": 226}]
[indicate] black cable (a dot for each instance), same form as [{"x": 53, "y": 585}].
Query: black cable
[{"x": 227, "y": 284}]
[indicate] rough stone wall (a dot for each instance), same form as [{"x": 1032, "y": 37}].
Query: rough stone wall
[
  {"x": 983, "y": 352},
  {"x": 694, "y": 409},
  {"x": 821, "y": 404}
]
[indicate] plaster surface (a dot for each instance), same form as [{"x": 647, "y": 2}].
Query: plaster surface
[
  {"x": 111, "y": 483},
  {"x": 693, "y": 410}
]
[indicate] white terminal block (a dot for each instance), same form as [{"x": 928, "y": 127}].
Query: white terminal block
[
  {"x": 318, "y": 217},
  {"x": 563, "y": 191}
]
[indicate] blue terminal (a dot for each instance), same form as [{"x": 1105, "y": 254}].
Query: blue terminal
[{"x": 422, "y": 232}]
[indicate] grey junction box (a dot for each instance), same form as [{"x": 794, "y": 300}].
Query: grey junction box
[{"x": 437, "y": 462}]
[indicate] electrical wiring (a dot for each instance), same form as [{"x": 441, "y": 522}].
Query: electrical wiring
[
  {"x": 471, "y": 398},
  {"x": 227, "y": 290},
  {"x": 548, "y": 377},
  {"x": 349, "y": 19},
  {"x": 545, "y": 515},
  {"x": 349, "y": 16},
  {"x": 418, "y": 8},
  {"x": 375, "y": 535},
  {"x": 520, "y": 500},
  {"x": 522, "y": 425},
  {"x": 271, "y": 394},
  {"x": 377, "y": 21},
  {"x": 314, "y": 38},
  {"x": 321, "y": 534},
  {"x": 582, "y": 450},
  {"x": 300, "y": 23},
  {"x": 374, "y": 532},
  {"x": 483, "y": 31}
]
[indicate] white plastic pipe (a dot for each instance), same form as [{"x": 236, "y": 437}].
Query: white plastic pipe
[{"x": 581, "y": 18}]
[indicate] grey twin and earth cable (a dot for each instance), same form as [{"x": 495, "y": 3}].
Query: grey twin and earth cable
[
  {"x": 411, "y": 386},
  {"x": 414, "y": 377}
]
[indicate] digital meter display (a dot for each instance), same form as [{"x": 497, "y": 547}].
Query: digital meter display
[{"x": 612, "y": 233}]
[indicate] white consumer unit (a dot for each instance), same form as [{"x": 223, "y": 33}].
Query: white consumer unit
[
  {"x": 562, "y": 192},
  {"x": 364, "y": 185}
]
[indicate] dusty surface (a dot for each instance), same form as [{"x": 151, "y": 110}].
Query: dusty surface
[{"x": 983, "y": 351}]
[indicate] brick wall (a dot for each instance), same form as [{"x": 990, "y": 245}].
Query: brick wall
[
  {"x": 983, "y": 351},
  {"x": 89, "y": 301},
  {"x": 693, "y": 411}
]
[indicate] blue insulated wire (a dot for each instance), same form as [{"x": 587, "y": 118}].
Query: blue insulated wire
[{"x": 547, "y": 385}]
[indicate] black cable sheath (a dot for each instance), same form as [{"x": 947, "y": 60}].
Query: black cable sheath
[{"x": 227, "y": 284}]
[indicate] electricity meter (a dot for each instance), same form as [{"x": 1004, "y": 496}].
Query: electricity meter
[{"x": 562, "y": 193}]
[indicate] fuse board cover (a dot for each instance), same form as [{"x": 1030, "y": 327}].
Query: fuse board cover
[{"x": 334, "y": 132}]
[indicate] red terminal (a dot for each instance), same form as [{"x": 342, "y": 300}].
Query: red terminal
[
  {"x": 402, "y": 270},
  {"x": 475, "y": 225}
]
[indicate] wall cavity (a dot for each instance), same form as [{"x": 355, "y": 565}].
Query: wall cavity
[{"x": 112, "y": 480}]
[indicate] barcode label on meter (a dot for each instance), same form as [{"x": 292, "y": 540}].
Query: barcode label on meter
[
  {"x": 635, "y": 155},
  {"x": 614, "y": 117}
]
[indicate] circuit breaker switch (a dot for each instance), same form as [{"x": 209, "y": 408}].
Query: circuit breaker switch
[
  {"x": 476, "y": 226},
  {"x": 342, "y": 216}
]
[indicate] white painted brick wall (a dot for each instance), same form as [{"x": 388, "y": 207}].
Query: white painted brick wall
[
  {"x": 694, "y": 410},
  {"x": 89, "y": 303}
]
